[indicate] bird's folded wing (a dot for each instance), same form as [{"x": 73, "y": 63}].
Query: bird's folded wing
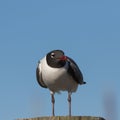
[
  {"x": 75, "y": 71},
  {"x": 39, "y": 76}
]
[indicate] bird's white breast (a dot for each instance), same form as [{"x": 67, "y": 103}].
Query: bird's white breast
[{"x": 57, "y": 79}]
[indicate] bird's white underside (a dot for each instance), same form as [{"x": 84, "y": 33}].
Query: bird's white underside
[{"x": 57, "y": 79}]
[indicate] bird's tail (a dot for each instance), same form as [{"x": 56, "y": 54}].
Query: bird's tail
[{"x": 84, "y": 82}]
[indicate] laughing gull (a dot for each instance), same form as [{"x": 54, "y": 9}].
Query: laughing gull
[{"x": 58, "y": 72}]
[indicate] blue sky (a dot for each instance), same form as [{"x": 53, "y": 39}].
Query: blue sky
[{"x": 87, "y": 30}]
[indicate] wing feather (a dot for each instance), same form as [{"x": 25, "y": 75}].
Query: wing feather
[
  {"x": 75, "y": 71},
  {"x": 39, "y": 76}
]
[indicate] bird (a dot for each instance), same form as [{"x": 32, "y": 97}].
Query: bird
[{"x": 58, "y": 72}]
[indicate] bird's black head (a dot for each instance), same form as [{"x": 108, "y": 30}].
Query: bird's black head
[{"x": 56, "y": 59}]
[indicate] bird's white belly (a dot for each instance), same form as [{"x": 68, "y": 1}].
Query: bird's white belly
[{"x": 58, "y": 79}]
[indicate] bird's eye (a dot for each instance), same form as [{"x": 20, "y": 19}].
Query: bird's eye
[{"x": 52, "y": 55}]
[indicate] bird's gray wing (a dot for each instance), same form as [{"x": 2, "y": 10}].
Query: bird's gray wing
[
  {"x": 75, "y": 71},
  {"x": 39, "y": 76}
]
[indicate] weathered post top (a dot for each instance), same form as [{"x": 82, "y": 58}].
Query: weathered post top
[{"x": 65, "y": 118}]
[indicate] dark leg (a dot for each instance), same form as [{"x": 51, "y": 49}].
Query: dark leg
[
  {"x": 53, "y": 102},
  {"x": 69, "y": 102}
]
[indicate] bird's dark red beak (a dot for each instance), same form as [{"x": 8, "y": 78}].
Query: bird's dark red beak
[{"x": 64, "y": 58}]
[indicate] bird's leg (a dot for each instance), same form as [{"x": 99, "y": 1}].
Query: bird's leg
[
  {"x": 69, "y": 102},
  {"x": 53, "y": 102}
]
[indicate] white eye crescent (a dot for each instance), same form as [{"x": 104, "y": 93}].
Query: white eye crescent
[{"x": 52, "y": 55}]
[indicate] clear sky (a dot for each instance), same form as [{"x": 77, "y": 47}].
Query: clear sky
[{"x": 86, "y": 30}]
